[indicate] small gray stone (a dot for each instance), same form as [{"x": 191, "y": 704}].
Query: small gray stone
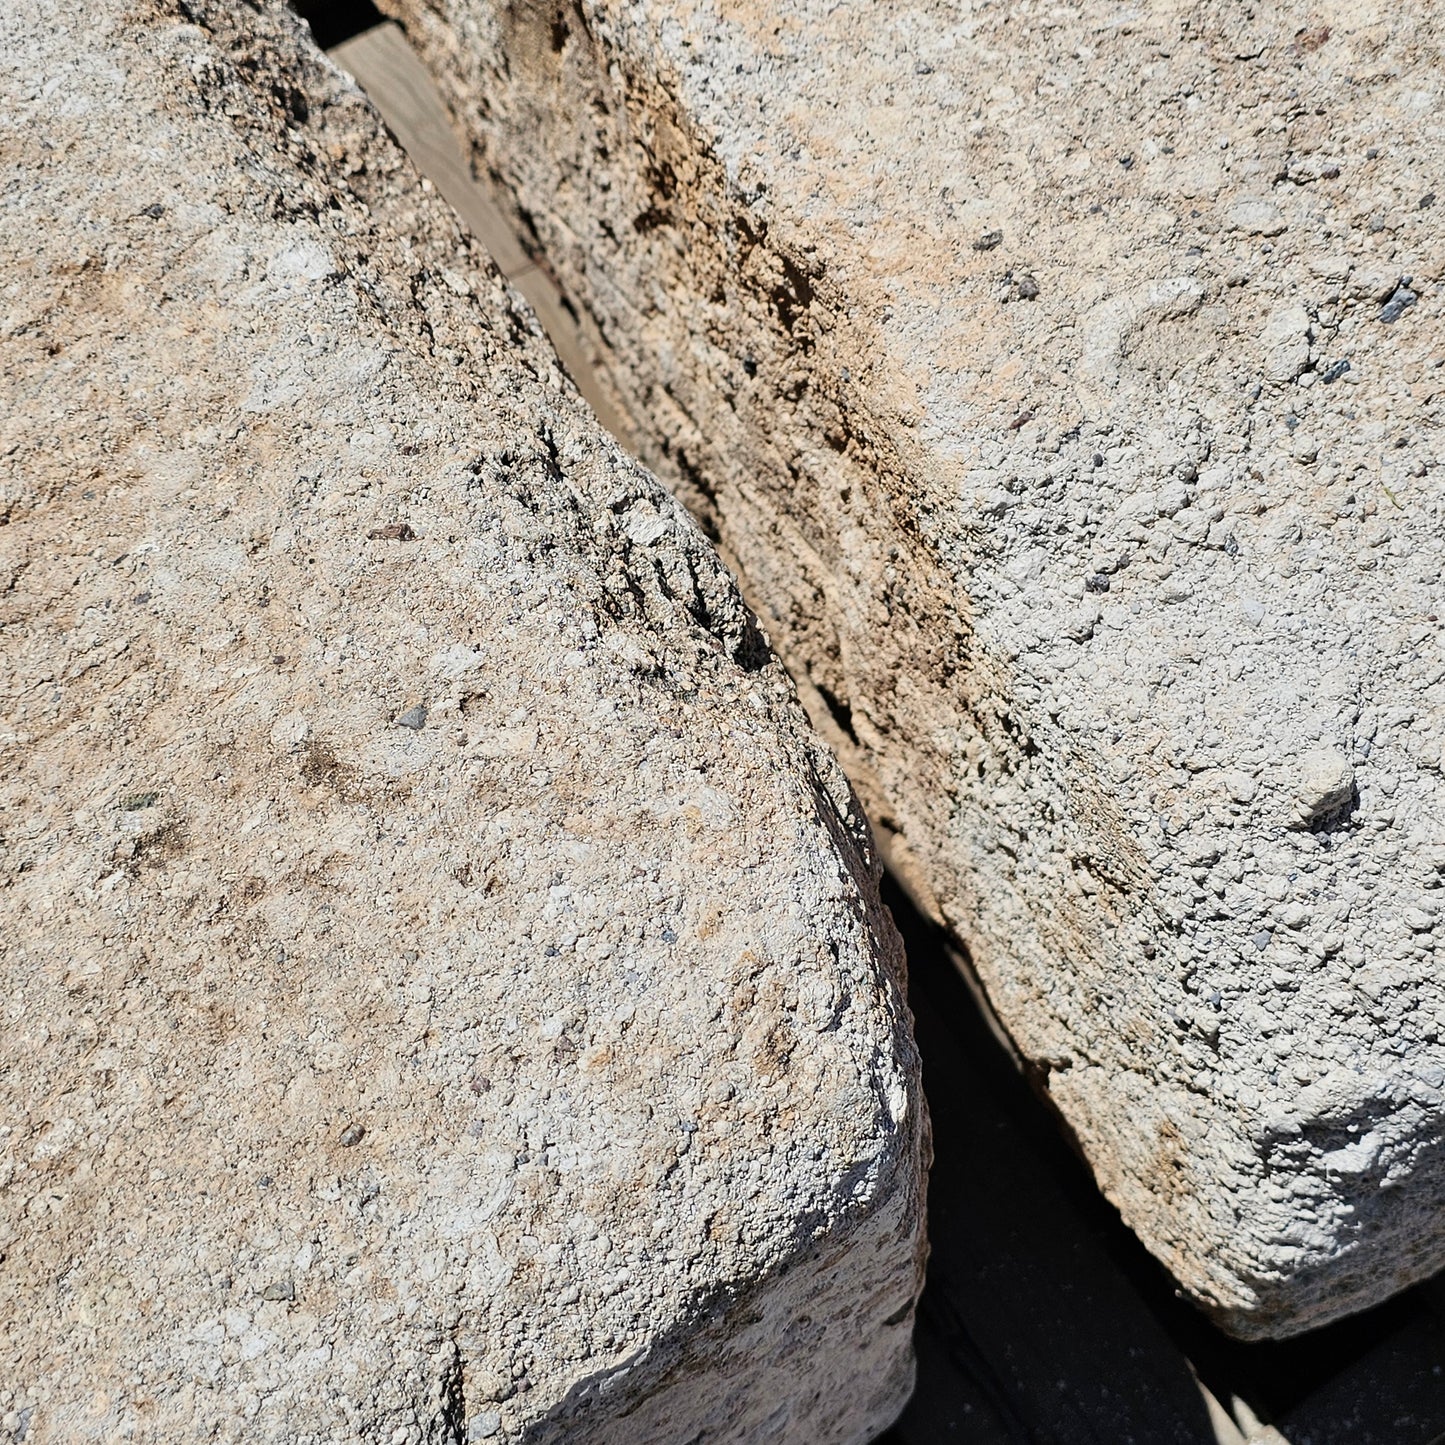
[
  {"x": 1257, "y": 215},
  {"x": 1326, "y": 782},
  {"x": 1241, "y": 787},
  {"x": 413, "y": 718},
  {"x": 1398, "y": 304}
]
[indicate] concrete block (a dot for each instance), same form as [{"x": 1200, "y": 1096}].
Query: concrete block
[{"x": 446, "y": 996}]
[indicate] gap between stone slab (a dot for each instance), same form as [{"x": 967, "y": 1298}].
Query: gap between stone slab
[
  {"x": 387, "y": 68},
  {"x": 376, "y": 53},
  {"x": 380, "y": 59}
]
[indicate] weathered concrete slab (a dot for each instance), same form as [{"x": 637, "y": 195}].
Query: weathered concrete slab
[
  {"x": 1064, "y": 383},
  {"x": 445, "y": 992}
]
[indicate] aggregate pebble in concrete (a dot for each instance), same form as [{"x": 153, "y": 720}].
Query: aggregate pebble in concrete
[
  {"x": 1064, "y": 382},
  {"x": 445, "y": 993}
]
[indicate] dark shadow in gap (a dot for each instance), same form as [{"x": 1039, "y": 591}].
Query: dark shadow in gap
[
  {"x": 1028, "y": 1332},
  {"x": 333, "y": 21},
  {"x": 1046, "y": 1322}
]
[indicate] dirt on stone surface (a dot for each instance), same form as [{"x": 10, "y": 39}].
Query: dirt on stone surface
[
  {"x": 1064, "y": 384},
  {"x": 446, "y": 995}
]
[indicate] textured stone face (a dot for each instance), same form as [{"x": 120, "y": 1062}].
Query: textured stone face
[
  {"x": 445, "y": 991},
  {"x": 1064, "y": 386}
]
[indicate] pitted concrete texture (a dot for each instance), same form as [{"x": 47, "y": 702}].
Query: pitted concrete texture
[
  {"x": 1064, "y": 383},
  {"x": 446, "y": 996}
]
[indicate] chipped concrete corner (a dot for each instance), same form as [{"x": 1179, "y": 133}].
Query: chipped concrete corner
[
  {"x": 446, "y": 992},
  {"x": 1066, "y": 393}
]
